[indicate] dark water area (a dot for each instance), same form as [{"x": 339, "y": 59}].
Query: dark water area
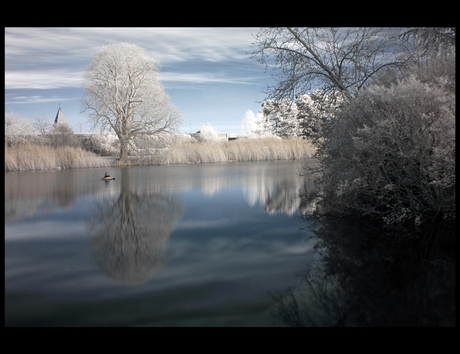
[
  {"x": 211, "y": 245},
  {"x": 369, "y": 277}
]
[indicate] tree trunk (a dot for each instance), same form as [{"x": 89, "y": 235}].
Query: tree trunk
[{"x": 123, "y": 152}]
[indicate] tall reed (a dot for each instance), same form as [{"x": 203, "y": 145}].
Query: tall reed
[
  {"x": 29, "y": 157},
  {"x": 238, "y": 150}
]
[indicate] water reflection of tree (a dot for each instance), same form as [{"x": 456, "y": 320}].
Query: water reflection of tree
[
  {"x": 281, "y": 193},
  {"x": 129, "y": 232},
  {"x": 371, "y": 279},
  {"x": 66, "y": 191},
  {"x": 286, "y": 196}
]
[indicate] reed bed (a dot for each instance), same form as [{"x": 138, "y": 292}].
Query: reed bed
[
  {"x": 30, "y": 157},
  {"x": 238, "y": 151}
]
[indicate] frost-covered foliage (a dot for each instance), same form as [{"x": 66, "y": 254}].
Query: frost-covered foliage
[
  {"x": 182, "y": 138},
  {"x": 102, "y": 144},
  {"x": 209, "y": 133},
  {"x": 302, "y": 118},
  {"x": 390, "y": 154},
  {"x": 255, "y": 126},
  {"x": 142, "y": 145},
  {"x": 17, "y": 129},
  {"x": 281, "y": 117},
  {"x": 314, "y": 110}
]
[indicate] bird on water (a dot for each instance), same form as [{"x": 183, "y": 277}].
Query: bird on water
[{"x": 107, "y": 177}]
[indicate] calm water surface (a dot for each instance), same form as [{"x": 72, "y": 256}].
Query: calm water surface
[{"x": 195, "y": 245}]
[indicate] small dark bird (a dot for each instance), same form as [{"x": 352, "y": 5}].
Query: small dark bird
[{"x": 107, "y": 177}]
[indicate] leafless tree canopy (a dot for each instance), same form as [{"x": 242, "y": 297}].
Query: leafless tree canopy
[
  {"x": 429, "y": 38},
  {"x": 42, "y": 125},
  {"x": 124, "y": 95},
  {"x": 62, "y": 135},
  {"x": 338, "y": 59}
]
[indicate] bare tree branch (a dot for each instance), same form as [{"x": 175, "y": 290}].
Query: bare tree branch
[{"x": 331, "y": 59}]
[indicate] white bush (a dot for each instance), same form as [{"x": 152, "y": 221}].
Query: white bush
[
  {"x": 17, "y": 129},
  {"x": 209, "y": 133},
  {"x": 103, "y": 144},
  {"x": 255, "y": 127}
]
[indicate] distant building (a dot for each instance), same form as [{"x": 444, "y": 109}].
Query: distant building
[{"x": 59, "y": 118}]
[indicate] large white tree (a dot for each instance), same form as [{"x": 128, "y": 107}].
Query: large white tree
[{"x": 124, "y": 95}]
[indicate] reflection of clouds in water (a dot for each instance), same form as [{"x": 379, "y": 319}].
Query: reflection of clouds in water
[
  {"x": 243, "y": 266},
  {"x": 43, "y": 229},
  {"x": 17, "y": 209},
  {"x": 200, "y": 224}
]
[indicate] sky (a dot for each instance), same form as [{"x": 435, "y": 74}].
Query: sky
[{"x": 207, "y": 72}]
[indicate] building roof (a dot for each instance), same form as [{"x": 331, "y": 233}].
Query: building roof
[{"x": 60, "y": 117}]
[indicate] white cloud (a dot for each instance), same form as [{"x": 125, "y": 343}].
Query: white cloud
[
  {"x": 35, "y": 99},
  {"x": 43, "y": 79}
]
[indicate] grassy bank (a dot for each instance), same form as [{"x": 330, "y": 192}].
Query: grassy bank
[
  {"x": 30, "y": 157},
  {"x": 236, "y": 151}
]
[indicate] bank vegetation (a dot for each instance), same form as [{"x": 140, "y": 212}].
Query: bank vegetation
[
  {"x": 43, "y": 153},
  {"x": 31, "y": 157},
  {"x": 237, "y": 151}
]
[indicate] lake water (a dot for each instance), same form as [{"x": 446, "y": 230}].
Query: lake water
[
  {"x": 186, "y": 245},
  {"x": 211, "y": 245}
]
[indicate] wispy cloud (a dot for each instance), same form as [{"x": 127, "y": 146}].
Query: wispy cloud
[
  {"x": 203, "y": 77},
  {"x": 164, "y": 44},
  {"x": 43, "y": 58},
  {"x": 43, "y": 79},
  {"x": 35, "y": 99},
  {"x": 49, "y": 79}
]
